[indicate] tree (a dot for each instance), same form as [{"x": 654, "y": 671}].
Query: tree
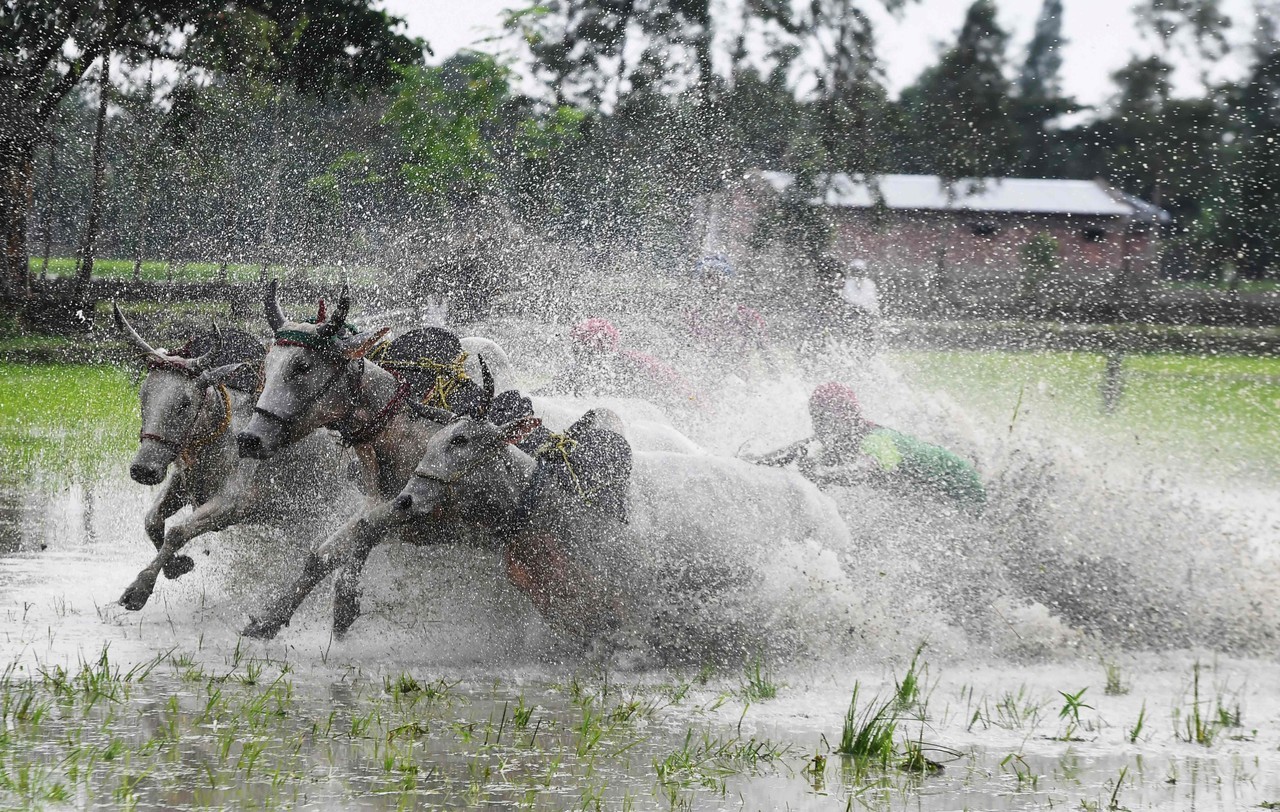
[
  {"x": 1040, "y": 99},
  {"x": 572, "y": 44},
  {"x": 47, "y": 46},
  {"x": 958, "y": 110},
  {"x": 1250, "y": 223}
]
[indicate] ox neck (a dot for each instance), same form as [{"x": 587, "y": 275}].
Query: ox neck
[
  {"x": 212, "y": 424},
  {"x": 377, "y": 402}
]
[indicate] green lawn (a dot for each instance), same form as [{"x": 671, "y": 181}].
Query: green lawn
[
  {"x": 1219, "y": 412},
  {"x": 64, "y": 419},
  {"x": 160, "y": 271}
]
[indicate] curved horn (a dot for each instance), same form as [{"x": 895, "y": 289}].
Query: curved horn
[
  {"x": 220, "y": 374},
  {"x": 271, "y": 303},
  {"x": 125, "y": 327},
  {"x": 201, "y": 363},
  {"x": 339, "y": 317},
  {"x": 487, "y": 377},
  {"x": 432, "y": 413}
]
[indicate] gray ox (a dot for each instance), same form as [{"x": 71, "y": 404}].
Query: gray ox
[
  {"x": 581, "y": 567},
  {"x": 189, "y": 418}
]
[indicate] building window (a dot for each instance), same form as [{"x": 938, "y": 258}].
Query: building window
[
  {"x": 984, "y": 228},
  {"x": 1094, "y": 234}
]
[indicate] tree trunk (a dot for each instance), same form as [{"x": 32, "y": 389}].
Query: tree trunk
[
  {"x": 273, "y": 191},
  {"x": 51, "y": 183},
  {"x": 140, "y": 241},
  {"x": 85, "y": 273},
  {"x": 15, "y": 200}
]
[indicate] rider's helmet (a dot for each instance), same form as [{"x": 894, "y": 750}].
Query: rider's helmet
[{"x": 835, "y": 411}]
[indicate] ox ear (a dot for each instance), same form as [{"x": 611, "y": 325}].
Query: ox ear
[
  {"x": 361, "y": 347},
  {"x": 218, "y": 375},
  {"x": 520, "y": 428}
]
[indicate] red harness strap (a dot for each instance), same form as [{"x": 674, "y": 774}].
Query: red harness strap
[{"x": 379, "y": 421}]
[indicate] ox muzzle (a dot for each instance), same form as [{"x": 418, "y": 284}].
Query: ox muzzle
[{"x": 263, "y": 438}]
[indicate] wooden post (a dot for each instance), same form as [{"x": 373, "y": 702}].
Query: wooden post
[{"x": 1112, "y": 381}]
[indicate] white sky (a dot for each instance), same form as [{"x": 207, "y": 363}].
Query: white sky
[{"x": 1101, "y": 35}]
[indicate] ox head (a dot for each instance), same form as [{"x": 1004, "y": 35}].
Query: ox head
[
  {"x": 172, "y": 393},
  {"x": 311, "y": 376},
  {"x": 469, "y": 467}
]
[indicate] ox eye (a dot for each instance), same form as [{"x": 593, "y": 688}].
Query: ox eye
[{"x": 458, "y": 439}]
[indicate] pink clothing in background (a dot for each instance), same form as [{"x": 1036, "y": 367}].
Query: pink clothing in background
[{"x": 736, "y": 328}]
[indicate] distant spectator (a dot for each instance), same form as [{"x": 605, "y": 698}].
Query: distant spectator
[
  {"x": 859, "y": 290},
  {"x": 717, "y": 321},
  {"x": 602, "y": 366}
]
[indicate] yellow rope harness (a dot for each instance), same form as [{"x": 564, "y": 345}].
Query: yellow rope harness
[
  {"x": 195, "y": 445},
  {"x": 448, "y": 377},
  {"x": 564, "y": 445}
]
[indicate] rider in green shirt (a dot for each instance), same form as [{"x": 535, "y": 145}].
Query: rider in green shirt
[{"x": 847, "y": 448}]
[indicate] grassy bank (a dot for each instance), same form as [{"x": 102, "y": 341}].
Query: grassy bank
[
  {"x": 154, "y": 270},
  {"x": 68, "y": 419},
  {"x": 1222, "y": 411}
]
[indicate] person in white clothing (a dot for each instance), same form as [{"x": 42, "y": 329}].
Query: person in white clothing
[{"x": 859, "y": 290}]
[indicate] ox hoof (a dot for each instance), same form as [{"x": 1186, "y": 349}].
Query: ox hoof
[
  {"x": 178, "y": 566},
  {"x": 260, "y": 629},
  {"x": 135, "y": 597}
]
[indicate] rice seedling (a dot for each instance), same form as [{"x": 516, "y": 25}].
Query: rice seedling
[
  {"x": 758, "y": 682},
  {"x": 1136, "y": 730},
  {"x": 1070, "y": 711},
  {"x": 1198, "y": 727},
  {"x": 1015, "y": 764},
  {"x": 867, "y": 735},
  {"x": 1114, "y": 683},
  {"x": 914, "y": 759},
  {"x": 907, "y": 691},
  {"x": 706, "y": 761}
]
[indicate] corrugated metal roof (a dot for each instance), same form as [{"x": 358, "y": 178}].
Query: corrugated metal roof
[{"x": 1020, "y": 195}]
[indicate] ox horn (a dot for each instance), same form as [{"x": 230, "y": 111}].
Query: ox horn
[
  {"x": 271, "y": 303},
  {"x": 432, "y": 413},
  {"x": 125, "y": 327},
  {"x": 201, "y": 363},
  {"x": 487, "y": 377},
  {"x": 334, "y": 324},
  {"x": 219, "y": 374}
]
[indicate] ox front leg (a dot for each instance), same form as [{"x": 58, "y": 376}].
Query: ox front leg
[
  {"x": 352, "y": 541},
  {"x": 563, "y": 591},
  {"x": 170, "y": 501},
  {"x": 215, "y": 514},
  {"x": 346, "y": 585},
  {"x": 167, "y": 503}
]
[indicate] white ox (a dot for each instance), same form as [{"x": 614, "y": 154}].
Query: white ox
[
  {"x": 704, "y": 533},
  {"x": 189, "y": 420}
]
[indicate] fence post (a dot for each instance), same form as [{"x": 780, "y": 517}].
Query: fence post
[{"x": 1112, "y": 381}]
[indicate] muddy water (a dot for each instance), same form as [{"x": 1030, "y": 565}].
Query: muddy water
[{"x": 996, "y": 725}]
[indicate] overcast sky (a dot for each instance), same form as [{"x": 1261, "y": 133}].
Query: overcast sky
[{"x": 1100, "y": 34}]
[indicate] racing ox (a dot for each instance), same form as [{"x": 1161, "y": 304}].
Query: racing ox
[{"x": 193, "y": 401}]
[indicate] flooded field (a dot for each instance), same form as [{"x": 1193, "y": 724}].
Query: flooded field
[{"x": 1102, "y": 639}]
